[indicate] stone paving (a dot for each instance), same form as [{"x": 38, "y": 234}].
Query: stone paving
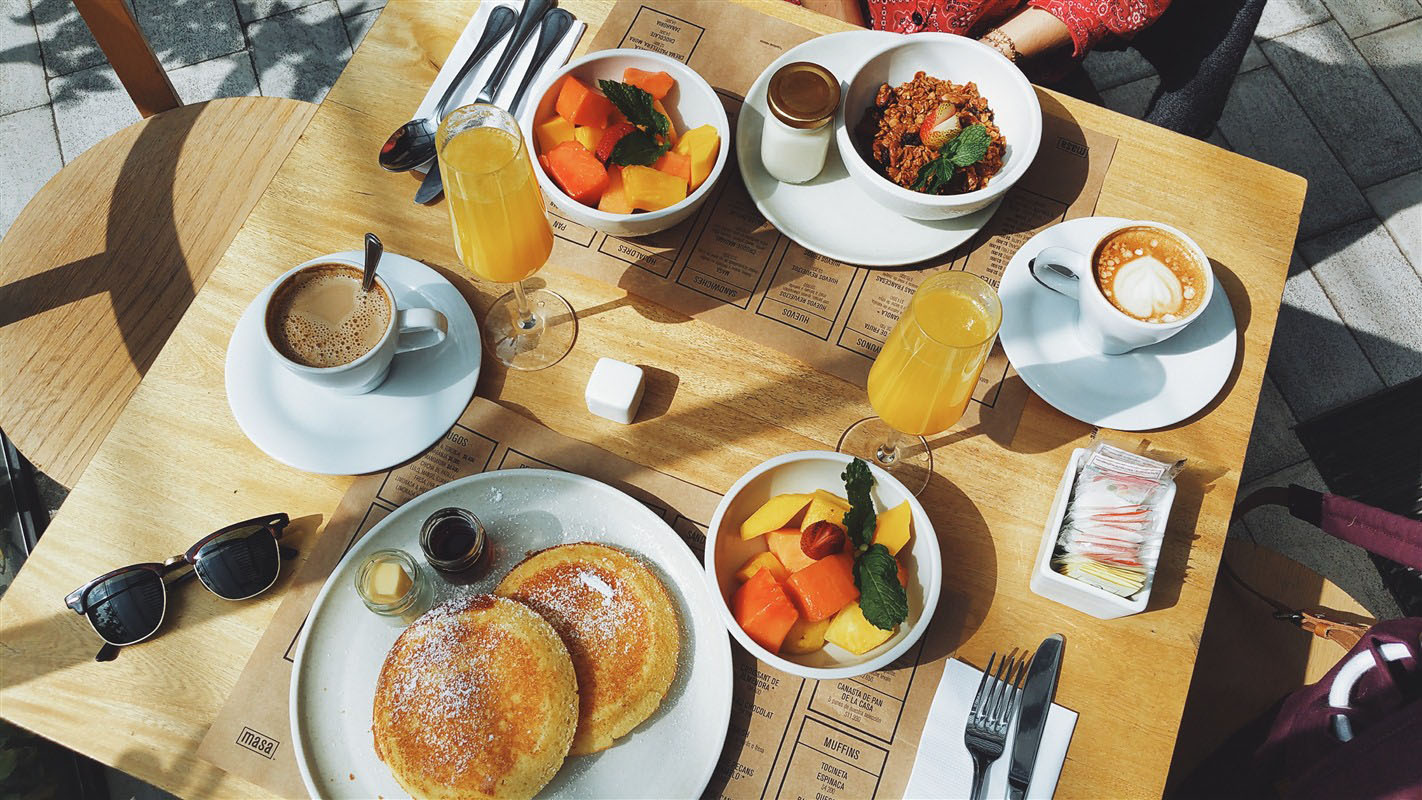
[{"x": 1331, "y": 90}]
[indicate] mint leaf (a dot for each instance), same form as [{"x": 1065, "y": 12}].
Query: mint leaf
[
  {"x": 636, "y": 105},
  {"x": 969, "y": 147},
  {"x": 964, "y": 150},
  {"x": 881, "y": 597},
  {"x": 638, "y": 148},
  {"x": 859, "y": 522}
]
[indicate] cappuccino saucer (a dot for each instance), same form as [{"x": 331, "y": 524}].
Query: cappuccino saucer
[
  {"x": 317, "y": 430},
  {"x": 1149, "y": 387}
]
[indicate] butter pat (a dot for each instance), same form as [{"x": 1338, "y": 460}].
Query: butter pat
[
  {"x": 387, "y": 582},
  {"x": 615, "y": 390}
]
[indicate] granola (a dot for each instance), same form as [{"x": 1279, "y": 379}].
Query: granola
[{"x": 889, "y": 133}]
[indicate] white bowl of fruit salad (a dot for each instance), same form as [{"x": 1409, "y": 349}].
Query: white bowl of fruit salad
[
  {"x": 628, "y": 142},
  {"x": 827, "y": 567}
]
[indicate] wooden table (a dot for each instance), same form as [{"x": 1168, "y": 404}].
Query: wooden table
[{"x": 176, "y": 466}]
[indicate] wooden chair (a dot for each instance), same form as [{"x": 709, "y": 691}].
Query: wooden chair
[{"x": 101, "y": 264}]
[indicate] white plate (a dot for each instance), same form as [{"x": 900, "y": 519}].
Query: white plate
[
  {"x": 343, "y": 644},
  {"x": 317, "y": 430},
  {"x": 829, "y": 214},
  {"x": 1147, "y": 388}
]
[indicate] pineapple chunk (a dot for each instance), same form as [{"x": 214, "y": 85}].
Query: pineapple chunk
[
  {"x": 760, "y": 561},
  {"x": 850, "y": 630},
  {"x": 827, "y": 507},
  {"x": 893, "y": 527},
  {"x": 805, "y": 637}
]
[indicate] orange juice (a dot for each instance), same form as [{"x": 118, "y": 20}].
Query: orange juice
[
  {"x": 926, "y": 373},
  {"x": 501, "y": 232}
]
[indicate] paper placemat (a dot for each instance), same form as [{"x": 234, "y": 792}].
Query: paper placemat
[
  {"x": 789, "y": 737},
  {"x": 728, "y": 266}
]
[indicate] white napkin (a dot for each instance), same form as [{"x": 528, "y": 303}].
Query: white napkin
[
  {"x": 476, "y": 79},
  {"x": 943, "y": 768}
]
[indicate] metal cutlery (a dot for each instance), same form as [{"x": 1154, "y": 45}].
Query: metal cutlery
[
  {"x": 412, "y": 144},
  {"x": 373, "y": 251},
  {"x": 991, "y": 714},
  {"x": 532, "y": 14},
  {"x": 1037, "y": 695},
  {"x": 553, "y": 27}
]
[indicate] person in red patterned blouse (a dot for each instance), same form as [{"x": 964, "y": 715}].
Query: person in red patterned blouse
[{"x": 1021, "y": 30}]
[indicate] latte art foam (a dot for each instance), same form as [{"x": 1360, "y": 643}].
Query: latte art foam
[
  {"x": 320, "y": 317},
  {"x": 1149, "y": 274}
]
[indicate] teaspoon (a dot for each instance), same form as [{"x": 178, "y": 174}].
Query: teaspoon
[{"x": 413, "y": 143}]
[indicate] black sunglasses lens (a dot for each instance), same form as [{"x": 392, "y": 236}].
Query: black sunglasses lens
[
  {"x": 127, "y": 607},
  {"x": 239, "y": 563}
]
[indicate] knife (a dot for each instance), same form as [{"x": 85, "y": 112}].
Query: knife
[
  {"x": 1037, "y": 697},
  {"x": 554, "y": 26}
]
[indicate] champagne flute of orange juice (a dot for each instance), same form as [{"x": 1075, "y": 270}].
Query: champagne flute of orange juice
[
  {"x": 502, "y": 233},
  {"x": 925, "y": 374}
]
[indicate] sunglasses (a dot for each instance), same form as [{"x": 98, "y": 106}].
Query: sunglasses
[{"x": 127, "y": 605}]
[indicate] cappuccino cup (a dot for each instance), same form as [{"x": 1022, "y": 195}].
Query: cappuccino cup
[
  {"x": 320, "y": 324},
  {"x": 1139, "y": 284}
]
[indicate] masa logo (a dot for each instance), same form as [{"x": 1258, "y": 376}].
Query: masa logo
[
  {"x": 259, "y": 743},
  {"x": 1069, "y": 146}
]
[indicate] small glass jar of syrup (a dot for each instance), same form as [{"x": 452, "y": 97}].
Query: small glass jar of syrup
[{"x": 453, "y": 541}]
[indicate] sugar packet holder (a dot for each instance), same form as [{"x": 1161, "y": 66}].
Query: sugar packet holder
[{"x": 1147, "y": 478}]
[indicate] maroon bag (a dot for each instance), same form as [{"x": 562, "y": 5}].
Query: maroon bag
[{"x": 1357, "y": 732}]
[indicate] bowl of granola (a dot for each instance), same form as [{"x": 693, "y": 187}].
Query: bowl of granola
[{"x": 936, "y": 126}]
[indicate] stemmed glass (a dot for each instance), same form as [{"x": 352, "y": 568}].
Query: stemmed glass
[
  {"x": 502, "y": 233},
  {"x": 925, "y": 375}
]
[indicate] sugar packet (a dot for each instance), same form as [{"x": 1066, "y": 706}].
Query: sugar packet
[{"x": 1112, "y": 530}]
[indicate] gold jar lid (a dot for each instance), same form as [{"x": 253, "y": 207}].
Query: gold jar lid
[{"x": 803, "y": 95}]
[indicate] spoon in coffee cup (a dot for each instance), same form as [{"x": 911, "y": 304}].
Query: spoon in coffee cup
[{"x": 373, "y": 251}]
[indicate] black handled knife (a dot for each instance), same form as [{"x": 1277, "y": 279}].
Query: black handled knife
[{"x": 1037, "y": 697}]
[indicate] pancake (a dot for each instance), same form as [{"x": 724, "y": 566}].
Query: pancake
[
  {"x": 619, "y": 624},
  {"x": 476, "y": 699}
]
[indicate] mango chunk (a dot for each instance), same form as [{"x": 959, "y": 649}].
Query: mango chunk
[
  {"x": 827, "y": 507},
  {"x": 850, "y": 630},
  {"x": 805, "y": 637},
  {"x": 760, "y": 561},
  {"x": 614, "y": 197},
  {"x": 552, "y": 132},
  {"x": 785, "y": 544},
  {"x": 651, "y": 189},
  {"x": 701, "y": 144},
  {"x": 588, "y": 136},
  {"x": 893, "y": 527},
  {"x": 777, "y": 513}
]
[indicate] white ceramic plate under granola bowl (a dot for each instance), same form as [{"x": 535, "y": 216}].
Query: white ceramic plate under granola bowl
[
  {"x": 343, "y": 645},
  {"x": 831, "y": 214}
]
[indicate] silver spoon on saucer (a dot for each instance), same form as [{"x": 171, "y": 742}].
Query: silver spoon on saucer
[{"x": 373, "y": 251}]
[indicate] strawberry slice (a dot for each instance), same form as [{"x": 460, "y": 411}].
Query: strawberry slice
[
  {"x": 610, "y": 138},
  {"x": 823, "y": 538},
  {"x": 940, "y": 126}
]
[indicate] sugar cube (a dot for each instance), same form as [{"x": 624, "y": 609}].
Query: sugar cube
[{"x": 615, "y": 390}]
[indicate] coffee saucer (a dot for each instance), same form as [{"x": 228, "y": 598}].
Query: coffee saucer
[
  {"x": 317, "y": 430},
  {"x": 1150, "y": 387}
]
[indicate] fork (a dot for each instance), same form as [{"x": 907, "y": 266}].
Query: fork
[{"x": 994, "y": 706}]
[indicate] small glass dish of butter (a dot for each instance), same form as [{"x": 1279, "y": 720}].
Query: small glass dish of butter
[{"x": 392, "y": 585}]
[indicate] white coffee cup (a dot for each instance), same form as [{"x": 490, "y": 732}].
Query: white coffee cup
[
  {"x": 1100, "y": 325},
  {"x": 409, "y": 329}
]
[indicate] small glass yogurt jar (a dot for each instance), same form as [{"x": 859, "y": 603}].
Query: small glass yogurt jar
[
  {"x": 795, "y": 138},
  {"x": 399, "y": 601}
]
